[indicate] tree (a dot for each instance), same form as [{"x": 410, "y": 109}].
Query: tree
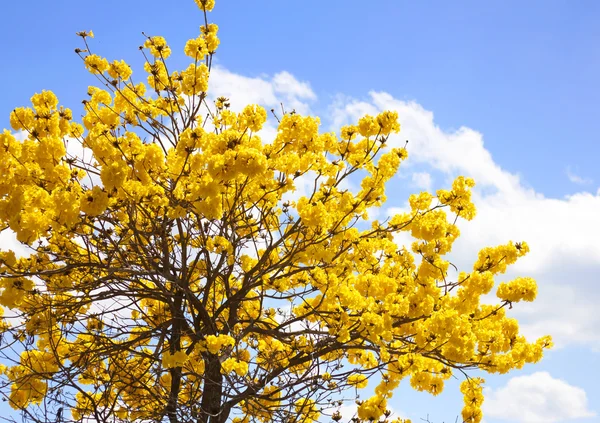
[{"x": 173, "y": 276}]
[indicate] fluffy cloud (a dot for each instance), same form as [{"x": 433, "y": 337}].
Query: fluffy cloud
[
  {"x": 422, "y": 180},
  {"x": 8, "y": 241},
  {"x": 537, "y": 398},
  {"x": 268, "y": 91}
]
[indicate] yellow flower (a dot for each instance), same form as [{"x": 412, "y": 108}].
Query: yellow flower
[
  {"x": 252, "y": 117},
  {"x": 158, "y": 47},
  {"x": 119, "y": 70},
  {"x": 358, "y": 380},
  {"x": 519, "y": 289},
  {"x": 96, "y": 64},
  {"x": 372, "y": 409},
  {"x": 196, "y": 48},
  {"x": 94, "y": 202},
  {"x": 234, "y": 365},
  {"x": 206, "y": 5},
  {"x": 195, "y": 79},
  {"x": 368, "y": 126}
]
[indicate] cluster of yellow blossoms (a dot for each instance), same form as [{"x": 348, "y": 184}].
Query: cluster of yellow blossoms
[{"x": 173, "y": 272}]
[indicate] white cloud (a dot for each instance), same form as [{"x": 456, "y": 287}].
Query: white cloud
[
  {"x": 422, "y": 180},
  {"x": 285, "y": 83},
  {"x": 576, "y": 179},
  {"x": 8, "y": 241},
  {"x": 267, "y": 91},
  {"x": 21, "y": 135},
  {"x": 537, "y": 398}
]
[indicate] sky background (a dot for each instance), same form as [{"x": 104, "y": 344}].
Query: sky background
[{"x": 504, "y": 91}]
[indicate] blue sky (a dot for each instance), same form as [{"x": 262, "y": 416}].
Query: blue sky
[
  {"x": 520, "y": 78},
  {"x": 523, "y": 73}
]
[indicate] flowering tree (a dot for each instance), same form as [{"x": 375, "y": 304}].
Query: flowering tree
[{"x": 173, "y": 276}]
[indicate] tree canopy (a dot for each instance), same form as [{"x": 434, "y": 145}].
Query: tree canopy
[{"x": 174, "y": 274}]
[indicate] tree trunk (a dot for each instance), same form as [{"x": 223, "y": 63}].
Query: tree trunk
[{"x": 213, "y": 390}]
